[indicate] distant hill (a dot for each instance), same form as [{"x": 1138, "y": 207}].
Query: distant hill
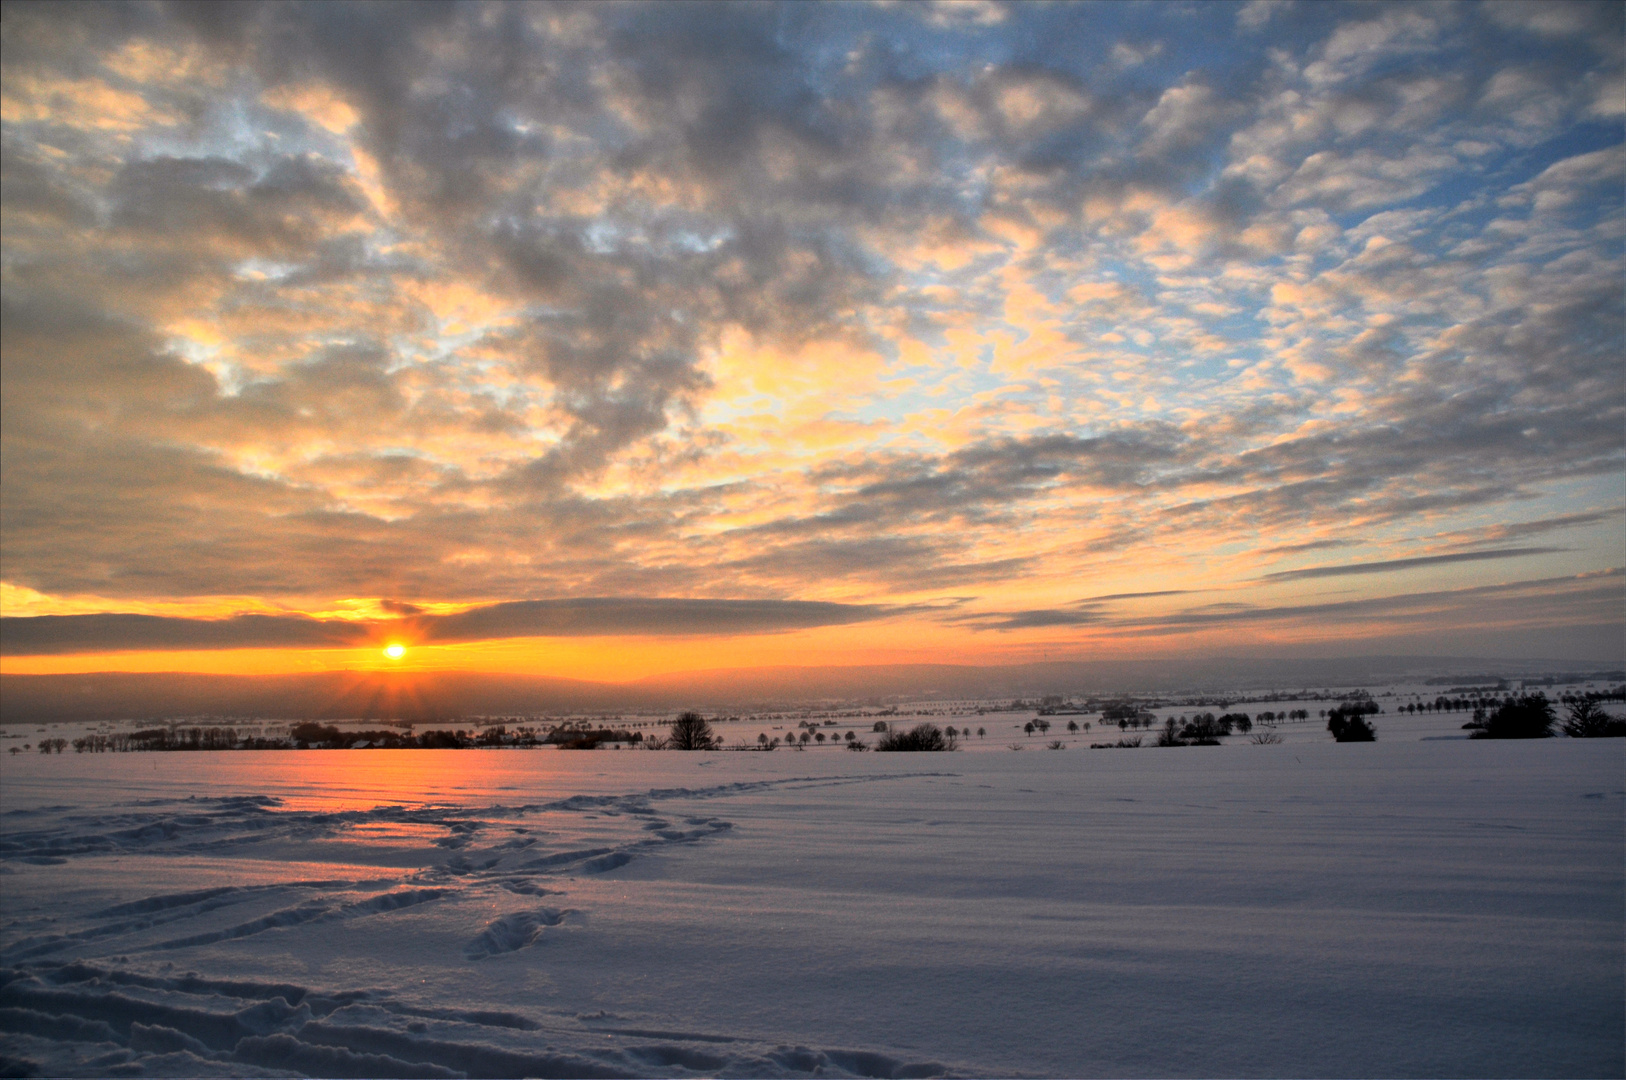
[
  {"x": 1100, "y": 677},
  {"x": 450, "y": 695}
]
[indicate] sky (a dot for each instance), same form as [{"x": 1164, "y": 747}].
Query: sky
[{"x": 609, "y": 340}]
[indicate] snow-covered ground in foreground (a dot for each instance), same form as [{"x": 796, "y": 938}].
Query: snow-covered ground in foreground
[{"x": 1400, "y": 908}]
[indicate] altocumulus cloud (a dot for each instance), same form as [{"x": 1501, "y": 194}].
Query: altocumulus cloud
[{"x": 454, "y": 303}]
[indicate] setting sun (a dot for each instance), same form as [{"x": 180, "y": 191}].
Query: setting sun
[{"x": 395, "y": 652}]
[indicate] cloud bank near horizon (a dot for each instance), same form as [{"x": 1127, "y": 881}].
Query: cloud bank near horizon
[
  {"x": 883, "y": 308},
  {"x": 49, "y": 635}
]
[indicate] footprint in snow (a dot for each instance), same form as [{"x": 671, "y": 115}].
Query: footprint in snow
[{"x": 519, "y": 930}]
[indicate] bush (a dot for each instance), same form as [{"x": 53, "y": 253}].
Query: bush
[
  {"x": 1528, "y": 716},
  {"x": 691, "y": 732},
  {"x": 1349, "y": 725},
  {"x": 1170, "y": 735},
  {"x": 440, "y": 740},
  {"x": 923, "y": 737},
  {"x": 1267, "y": 738},
  {"x": 571, "y": 737},
  {"x": 314, "y": 734},
  {"x": 879, "y": 725},
  {"x": 1588, "y": 721}
]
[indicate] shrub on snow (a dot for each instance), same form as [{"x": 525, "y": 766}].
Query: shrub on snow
[
  {"x": 1528, "y": 716},
  {"x": 1170, "y": 735},
  {"x": 1348, "y": 724},
  {"x": 1587, "y": 720}
]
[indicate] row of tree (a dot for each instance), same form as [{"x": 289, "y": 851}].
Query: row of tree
[
  {"x": 196, "y": 738},
  {"x": 1203, "y": 729},
  {"x": 311, "y": 735},
  {"x": 1445, "y": 704},
  {"x": 1527, "y": 716}
]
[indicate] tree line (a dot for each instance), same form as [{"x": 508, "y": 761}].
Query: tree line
[{"x": 1524, "y": 716}]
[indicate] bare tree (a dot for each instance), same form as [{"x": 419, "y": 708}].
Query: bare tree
[
  {"x": 690, "y": 731},
  {"x": 923, "y": 737}
]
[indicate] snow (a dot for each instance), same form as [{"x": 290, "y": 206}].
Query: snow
[{"x": 1422, "y": 905}]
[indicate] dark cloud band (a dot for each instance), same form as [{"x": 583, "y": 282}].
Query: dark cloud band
[
  {"x": 45, "y": 635},
  {"x": 636, "y": 616},
  {"x": 1589, "y": 599},
  {"x": 1392, "y": 565}
]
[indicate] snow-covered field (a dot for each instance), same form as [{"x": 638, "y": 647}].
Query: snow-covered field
[{"x": 1423, "y": 905}]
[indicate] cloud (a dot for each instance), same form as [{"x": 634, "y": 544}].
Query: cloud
[
  {"x": 1135, "y": 595},
  {"x": 657, "y": 616},
  {"x": 980, "y": 476},
  {"x": 1086, "y": 612},
  {"x": 1256, "y": 13},
  {"x": 1393, "y": 565},
  {"x": 1587, "y": 599},
  {"x": 1308, "y": 545},
  {"x": 1037, "y": 618},
  {"x": 1514, "y": 529},
  {"x": 42, "y": 635},
  {"x": 455, "y": 304},
  {"x": 1560, "y": 18},
  {"x": 1590, "y": 600}
]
